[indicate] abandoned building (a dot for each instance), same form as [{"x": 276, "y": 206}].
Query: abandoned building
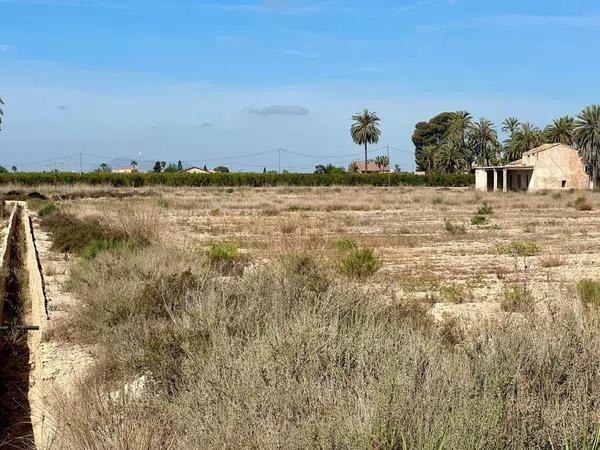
[{"x": 550, "y": 166}]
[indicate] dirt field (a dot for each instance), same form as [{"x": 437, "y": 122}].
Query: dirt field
[{"x": 423, "y": 236}]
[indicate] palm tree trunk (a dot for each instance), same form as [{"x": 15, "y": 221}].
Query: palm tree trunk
[
  {"x": 595, "y": 176},
  {"x": 366, "y": 159}
]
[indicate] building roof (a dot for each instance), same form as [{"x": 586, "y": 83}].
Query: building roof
[
  {"x": 544, "y": 147},
  {"x": 202, "y": 169},
  {"x": 371, "y": 167}
]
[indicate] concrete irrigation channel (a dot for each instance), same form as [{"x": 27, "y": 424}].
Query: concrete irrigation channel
[{"x": 22, "y": 319}]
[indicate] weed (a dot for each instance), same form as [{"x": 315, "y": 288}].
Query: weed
[
  {"x": 288, "y": 227},
  {"x": 226, "y": 257},
  {"x": 345, "y": 244},
  {"x": 552, "y": 260},
  {"x": 47, "y": 210},
  {"x": 478, "y": 219},
  {"x": 526, "y": 248},
  {"x": 361, "y": 263},
  {"x": 581, "y": 204},
  {"x": 93, "y": 248},
  {"x": 485, "y": 210},
  {"x": 454, "y": 293},
  {"x": 454, "y": 229},
  {"x": 436, "y": 200},
  {"x": 517, "y": 299},
  {"x": 589, "y": 291}
]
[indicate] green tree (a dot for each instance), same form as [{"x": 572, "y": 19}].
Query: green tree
[
  {"x": 382, "y": 161},
  {"x": 587, "y": 137},
  {"x": 561, "y": 131},
  {"x": 171, "y": 168},
  {"x": 450, "y": 157},
  {"x": 179, "y": 166},
  {"x": 461, "y": 125},
  {"x": 432, "y": 132},
  {"x": 103, "y": 168},
  {"x": 510, "y": 125},
  {"x": 526, "y": 138},
  {"x": 429, "y": 157},
  {"x": 14, "y": 168},
  {"x": 483, "y": 141},
  {"x": 3, "y": 169},
  {"x": 221, "y": 169},
  {"x": 365, "y": 130},
  {"x": 157, "y": 167}
]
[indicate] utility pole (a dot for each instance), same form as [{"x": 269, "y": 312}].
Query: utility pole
[{"x": 389, "y": 166}]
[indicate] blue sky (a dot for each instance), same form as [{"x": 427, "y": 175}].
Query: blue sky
[{"x": 204, "y": 81}]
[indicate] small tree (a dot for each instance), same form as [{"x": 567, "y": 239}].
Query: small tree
[
  {"x": 157, "y": 167},
  {"x": 179, "y": 166},
  {"x": 14, "y": 168}
]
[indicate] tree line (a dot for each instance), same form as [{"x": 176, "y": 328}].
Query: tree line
[{"x": 454, "y": 141}]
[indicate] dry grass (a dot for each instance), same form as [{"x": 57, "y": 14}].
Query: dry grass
[
  {"x": 274, "y": 359},
  {"x": 289, "y": 353}
]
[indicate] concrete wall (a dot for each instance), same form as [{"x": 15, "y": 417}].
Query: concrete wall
[{"x": 558, "y": 167}]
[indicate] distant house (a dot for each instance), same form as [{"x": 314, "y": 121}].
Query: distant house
[
  {"x": 372, "y": 167},
  {"x": 196, "y": 170},
  {"x": 128, "y": 169},
  {"x": 550, "y": 166}
]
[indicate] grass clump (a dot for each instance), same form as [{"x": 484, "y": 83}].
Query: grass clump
[
  {"x": 455, "y": 229},
  {"x": 552, "y": 260},
  {"x": 589, "y": 291},
  {"x": 478, "y": 219},
  {"x": 518, "y": 248},
  {"x": 345, "y": 244},
  {"x": 454, "y": 293},
  {"x": 226, "y": 257},
  {"x": 517, "y": 299},
  {"x": 485, "y": 210},
  {"x": 582, "y": 204},
  {"x": 360, "y": 263},
  {"x": 93, "y": 248},
  {"x": 47, "y": 210}
]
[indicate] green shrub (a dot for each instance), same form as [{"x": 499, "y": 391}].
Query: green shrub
[
  {"x": 589, "y": 291},
  {"x": 478, "y": 220},
  {"x": 436, "y": 200},
  {"x": 226, "y": 257},
  {"x": 239, "y": 179},
  {"x": 526, "y": 248},
  {"x": 345, "y": 244},
  {"x": 485, "y": 210},
  {"x": 91, "y": 250},
  {"x": 48, "y": 209},
  {"x": 361, "y": 263},
  {"x": 517, "y": 299}
]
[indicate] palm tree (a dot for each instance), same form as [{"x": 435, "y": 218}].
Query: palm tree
[
  {"x": 365, "y": 130},
  {"x": 461, "y": 125},
  {"x": 429, "y": 157},
  {"x": 587, "y": 137},
  {"x": 526, "y": 138},
  {"x": 510, "y": 125},
  {"x": 483, "y": 140},
  {"x": 382, "y": 161},
  {"x": 561, "y": 131},
  {"x": 450, "y": 156}
]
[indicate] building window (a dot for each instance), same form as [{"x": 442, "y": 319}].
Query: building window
[{"x": 564, "y": 183}]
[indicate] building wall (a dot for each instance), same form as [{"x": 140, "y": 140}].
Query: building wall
[
  {"x": 481, "y": 180},
  {"x": 558, "y": 167}
]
